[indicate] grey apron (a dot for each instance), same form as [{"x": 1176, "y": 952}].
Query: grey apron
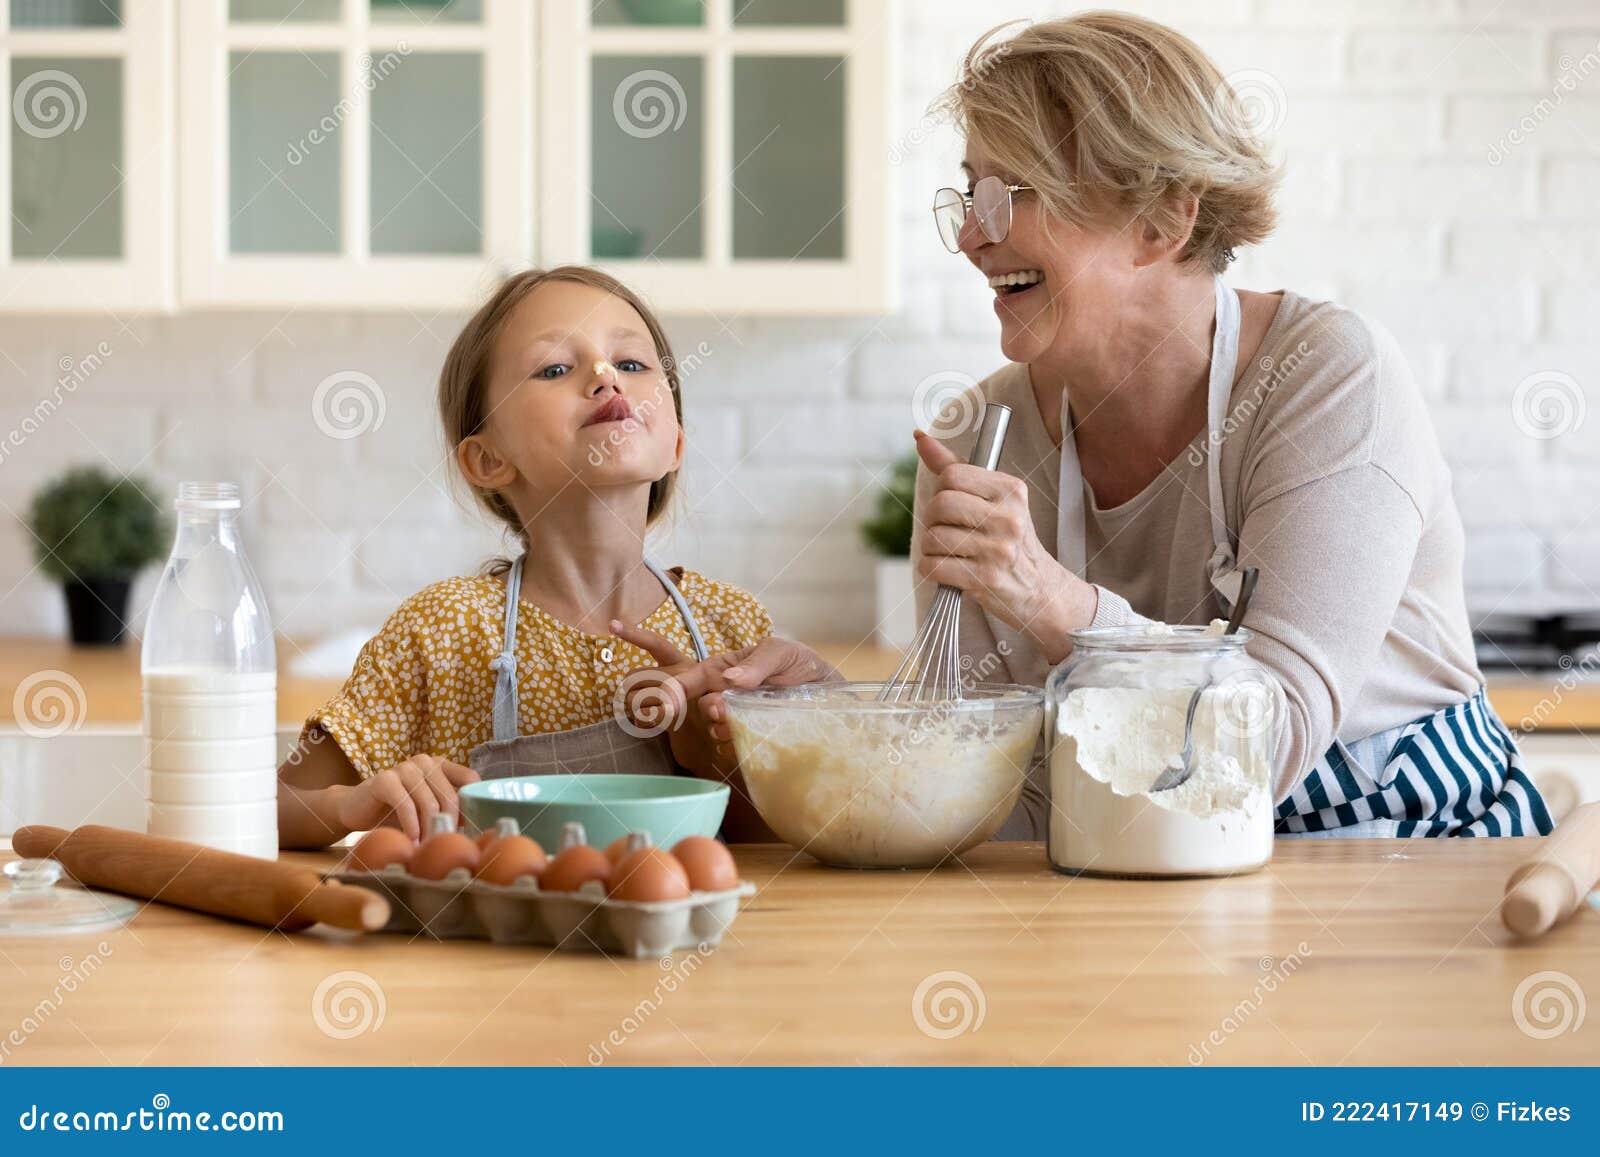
[{"x": 604, "y": 748}]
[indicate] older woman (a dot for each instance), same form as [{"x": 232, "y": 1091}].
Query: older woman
[{"x": 1169, "y": 430}]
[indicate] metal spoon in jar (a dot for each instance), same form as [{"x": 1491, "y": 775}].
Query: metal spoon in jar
[{"x": 1177, "y": 773}]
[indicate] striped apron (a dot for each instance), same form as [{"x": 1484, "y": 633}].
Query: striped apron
[{"x": 1456, "y": 772}]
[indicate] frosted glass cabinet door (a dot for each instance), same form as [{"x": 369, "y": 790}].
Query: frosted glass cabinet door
[
  {"x": 66, "y": 157},
  {"x": 375, "y": 151},
  {"x": 427, "y": 155},
  {"x": 732, "y": 155},
  {"x": 646, "y": 161},
  {"x": 85, "y": 159},
  {"x": 788, "y": 156},
  {"x": 283, "y": 187},
  {"x": 66, "y": 13}
]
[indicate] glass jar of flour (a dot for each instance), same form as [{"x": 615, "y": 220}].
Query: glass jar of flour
[{"x": 1115, "y": 719}]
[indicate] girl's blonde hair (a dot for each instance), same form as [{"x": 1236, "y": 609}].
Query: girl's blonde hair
[
  {"x": 464, "y": 380},
  {"x": 1110, "y": 116}
]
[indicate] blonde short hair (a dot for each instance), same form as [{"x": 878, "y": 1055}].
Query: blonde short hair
[{"x": 1114, "y": 116}]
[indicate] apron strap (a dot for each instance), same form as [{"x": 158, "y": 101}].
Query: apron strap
[
  {"x": 1222, "y": 567},
  {"x": 504, "y": 665},
  {"x": 1071, "y": 519},
  {"x": 700, "y": 651}
]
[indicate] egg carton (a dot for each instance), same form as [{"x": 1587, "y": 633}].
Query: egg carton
[{"x": 461, "y": 907}]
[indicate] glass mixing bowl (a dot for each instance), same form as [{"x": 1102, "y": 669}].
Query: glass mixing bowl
[{"x": 862, "y": 784}]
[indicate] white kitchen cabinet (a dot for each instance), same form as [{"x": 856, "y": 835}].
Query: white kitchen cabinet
[
  {"x": 354, "y": 153},
  {"x": 725, "y": 156},
  {"x": 86, "y": 166}
]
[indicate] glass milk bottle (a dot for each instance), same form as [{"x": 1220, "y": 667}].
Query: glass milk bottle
[{"x": 210, "y": 686}]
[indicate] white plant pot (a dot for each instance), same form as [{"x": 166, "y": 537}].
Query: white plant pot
[{"x": 896, "y": 606}]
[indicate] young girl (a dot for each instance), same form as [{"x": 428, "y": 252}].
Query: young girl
[{"x": 561, "y": 401}]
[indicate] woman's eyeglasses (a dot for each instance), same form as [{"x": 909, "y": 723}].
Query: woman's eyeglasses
[{"x": 989, "y": 202}]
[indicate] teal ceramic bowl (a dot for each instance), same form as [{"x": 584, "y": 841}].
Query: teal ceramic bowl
[{"x": 608, "y": 806}]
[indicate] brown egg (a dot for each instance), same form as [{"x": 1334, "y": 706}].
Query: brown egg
[
  {"x": 649, "y": 874},
  {"x": 708, "y": 862},
  {"x": 617, "y": 848},
  {"x": 573, "y": 867},
  {"x": 381, "y": 847},
  {"x": 504, "y": 826},
  {"x": 509, "y": 858},
  {"x": 444, "y": 852}
]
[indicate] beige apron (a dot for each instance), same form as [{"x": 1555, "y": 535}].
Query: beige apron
[{"x": 604, "y": 748}]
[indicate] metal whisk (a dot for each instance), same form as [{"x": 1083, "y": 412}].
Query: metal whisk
[{"x": 931, "y": 670}]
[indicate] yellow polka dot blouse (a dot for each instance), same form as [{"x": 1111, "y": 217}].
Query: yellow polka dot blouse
[{"x": 423, "y": 684}]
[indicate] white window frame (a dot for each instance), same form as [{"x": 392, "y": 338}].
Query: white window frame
[
  {"x": 862, "y": 283},
  {"x": 142, "y": 279},
  {"x": 354, "y": 278}
]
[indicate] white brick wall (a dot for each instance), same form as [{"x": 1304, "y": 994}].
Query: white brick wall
[{"x": 1484, "y": 269}]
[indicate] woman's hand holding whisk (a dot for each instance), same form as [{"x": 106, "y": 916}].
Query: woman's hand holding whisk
[{"x": 977, "y": 535}]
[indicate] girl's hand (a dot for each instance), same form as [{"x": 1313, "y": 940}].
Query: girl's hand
[
  {"x": 406, "y": 796},
  {"x": 773, "y": 662},
  {"x": 667, "y": 699},
  {"x": 696, "y": 688},
  {"x": 978, "y": 536}
]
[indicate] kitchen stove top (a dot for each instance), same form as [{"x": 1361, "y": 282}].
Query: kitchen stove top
[{"x": 1533, "y": 643}]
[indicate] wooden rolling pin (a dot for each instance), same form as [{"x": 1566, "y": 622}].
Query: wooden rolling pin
[
  {"x": 1553, "y": 884},
  {"x": 190, "y": 876}
]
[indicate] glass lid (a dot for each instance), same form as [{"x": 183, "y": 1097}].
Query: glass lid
[{"x": 36, "y": 899}]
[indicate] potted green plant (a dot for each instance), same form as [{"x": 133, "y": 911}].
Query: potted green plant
[
  {"x": 888, "y": 533},
  {"x": 93, "y": 531}
]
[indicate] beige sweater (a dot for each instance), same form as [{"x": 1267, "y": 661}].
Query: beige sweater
[{"x": 1334, "y": 486}]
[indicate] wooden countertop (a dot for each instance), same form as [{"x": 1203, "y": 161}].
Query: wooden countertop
[
  {"x": 110, "y": 679},
  {"x": 1342, "y": 952}
]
